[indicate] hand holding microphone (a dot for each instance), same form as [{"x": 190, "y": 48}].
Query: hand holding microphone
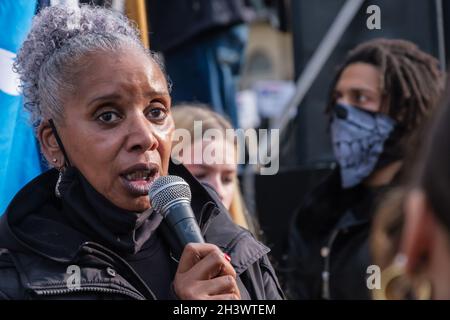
[{"x": 204, "y": 271}]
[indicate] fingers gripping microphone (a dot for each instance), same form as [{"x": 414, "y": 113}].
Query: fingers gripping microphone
[{"x": 170, "y": 196}]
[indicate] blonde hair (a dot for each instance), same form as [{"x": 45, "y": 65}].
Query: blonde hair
[{"x": 184, "y": 116}]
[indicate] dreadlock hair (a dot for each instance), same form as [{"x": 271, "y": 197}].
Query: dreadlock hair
[{"x": 410, "y": 79}]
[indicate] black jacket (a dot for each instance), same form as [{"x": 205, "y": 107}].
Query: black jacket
[
  {"x": 32, "y": 269},
  {"x": 328, "y": 242}
]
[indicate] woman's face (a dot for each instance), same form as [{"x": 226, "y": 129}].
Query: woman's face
[
  {"x": 218, "y": 175},
  {"x": 117, "y": 125},
  {"x": 359, "y": 86}
]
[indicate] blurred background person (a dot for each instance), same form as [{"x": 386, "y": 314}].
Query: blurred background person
[
  {"x": 203, "y": 43},
  {"x": 221, "y": 176},
  {"x": 380, "y": 95},
  {"x": 387, "y": 226},
  {"x": 421, "y": 268}
]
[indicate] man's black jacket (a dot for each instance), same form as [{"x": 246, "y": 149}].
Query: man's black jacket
[
  {"x": 28, "y": 271},
  {"x": 329, "y": 252}
]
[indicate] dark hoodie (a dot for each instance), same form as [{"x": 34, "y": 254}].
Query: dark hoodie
[
  {"x": 120, "y": 254},
  {"x": 329, "y": 254}
]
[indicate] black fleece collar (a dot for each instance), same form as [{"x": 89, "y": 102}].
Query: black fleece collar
[{"x": 92, "y": 214}]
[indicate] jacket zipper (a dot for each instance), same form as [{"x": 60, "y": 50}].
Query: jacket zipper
[
  {"x": 326, "y": 268},
  {"x": 57, "y": 291},
  {"x": 88, "y": 245},
  {"x": 326, "y": 273}
]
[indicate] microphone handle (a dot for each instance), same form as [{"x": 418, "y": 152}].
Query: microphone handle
[{"x": 182, "y": 220}]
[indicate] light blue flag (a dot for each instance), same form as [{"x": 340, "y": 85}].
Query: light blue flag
[{"x": 19, "y": 155}]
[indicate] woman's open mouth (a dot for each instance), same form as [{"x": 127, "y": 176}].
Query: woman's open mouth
[{"x": 138, "y": 178}]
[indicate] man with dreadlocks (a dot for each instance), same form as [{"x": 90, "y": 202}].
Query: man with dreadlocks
[{"x": 381, "y": 94}]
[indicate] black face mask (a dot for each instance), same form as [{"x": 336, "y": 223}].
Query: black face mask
[{"x": 358, "y": 138}]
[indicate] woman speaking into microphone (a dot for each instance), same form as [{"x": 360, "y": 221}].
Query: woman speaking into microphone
[{"x": 86, "y": 229}]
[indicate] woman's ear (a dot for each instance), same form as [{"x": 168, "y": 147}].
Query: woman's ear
[
  {"x": 418, "y": 232},
  {"x": 49, "y": 145}
]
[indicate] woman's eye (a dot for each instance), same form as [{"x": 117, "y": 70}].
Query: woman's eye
[
  {"x": 109, "y": 117},
  {"x": 157, "y": 114},
  {"x": 227, "y": 179},
  {"x": 200, "y": 176}
]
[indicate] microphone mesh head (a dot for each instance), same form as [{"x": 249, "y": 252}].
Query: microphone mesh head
[{"x": 166, "y": 189}]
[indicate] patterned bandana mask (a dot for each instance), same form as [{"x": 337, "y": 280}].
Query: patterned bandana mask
[{"x": 358, "y": 138}]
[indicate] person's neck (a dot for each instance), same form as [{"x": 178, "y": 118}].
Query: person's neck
[{"x": 383, "y": 176}]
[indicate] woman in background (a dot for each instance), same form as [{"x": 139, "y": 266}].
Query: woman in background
[{"x": 221, "y": 176}]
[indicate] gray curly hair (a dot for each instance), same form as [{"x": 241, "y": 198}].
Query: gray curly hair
[{"x": 59, "y": 37}]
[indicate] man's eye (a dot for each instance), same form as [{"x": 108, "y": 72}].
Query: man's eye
[
  {"x": 361, "y": 98},
  {"x": 109, "y": 117},
  {"x": 336, "y": 96}
]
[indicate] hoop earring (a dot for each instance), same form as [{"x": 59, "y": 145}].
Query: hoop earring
[
  {"x": 389, "y": 276},
  {"x": 396, "y": 285},
  {"x": 422, "y": 289}
]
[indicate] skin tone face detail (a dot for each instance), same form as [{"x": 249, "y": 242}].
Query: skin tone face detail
[
  {"x": 359, "y": 86},
  {"x": 117, "y": 127},
  {"x": 218, "y": 175}
]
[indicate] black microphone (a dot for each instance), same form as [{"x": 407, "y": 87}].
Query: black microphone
[{"x": 171, "y": 196}]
